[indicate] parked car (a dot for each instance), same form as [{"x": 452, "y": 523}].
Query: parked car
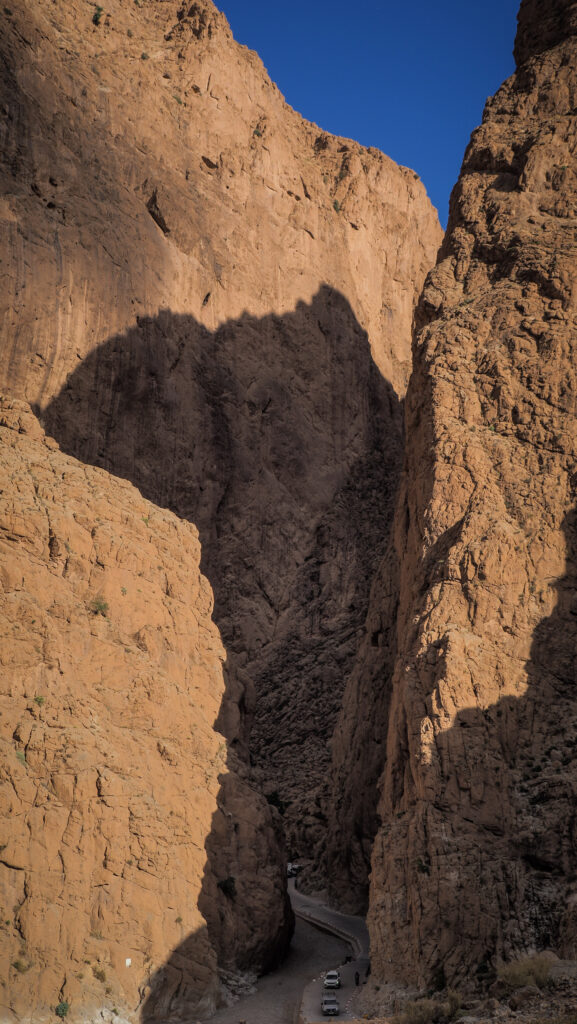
[
  {"x": 330, "y": 1006},
  {"x": 332, "y": 979}
]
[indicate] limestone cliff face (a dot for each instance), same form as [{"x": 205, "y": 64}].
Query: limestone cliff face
[
  {"x": 111, "y": 771},
  {"x": 476, "y": 856},
  {"x": 211, "y": 297}
]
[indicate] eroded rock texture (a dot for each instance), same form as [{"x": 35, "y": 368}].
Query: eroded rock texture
[
  {"x": 210, "y": 298},
  {"x": 199, "y": 287},
  {"x": 476, "y": 857},
  {"x": 111, "y": 677}
]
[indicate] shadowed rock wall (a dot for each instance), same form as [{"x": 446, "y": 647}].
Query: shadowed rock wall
[{"x": 281, "y": 441}]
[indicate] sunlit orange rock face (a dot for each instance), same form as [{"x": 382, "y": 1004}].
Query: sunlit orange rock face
[
  {"x": 110, "y": 763},
  {"x": 476, "y": 856},
  {"x": 209, "y": 299},
  {"x": 118, "y": 793}
]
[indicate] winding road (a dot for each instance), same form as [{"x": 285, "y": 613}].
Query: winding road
[
  {"x": 292, "y": 995},
  {"x": 353, "y": 931}
]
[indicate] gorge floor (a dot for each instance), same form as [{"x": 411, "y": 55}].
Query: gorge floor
[{"x": 277, "y": 996}]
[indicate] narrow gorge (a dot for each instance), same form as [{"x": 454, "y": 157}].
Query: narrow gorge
[{"x": 286, "y": 522}]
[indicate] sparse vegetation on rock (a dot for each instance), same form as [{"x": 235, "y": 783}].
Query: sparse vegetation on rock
[{"x": 528, "y": 970}]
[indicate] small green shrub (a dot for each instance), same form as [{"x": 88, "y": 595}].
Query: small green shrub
[
  {"x": 99, "y": 973},
  {"x": 144, "y": 56},
  {"x": 336, "y": 206},
  {"x": 62, "y": 1009},
  {"x": 21, "y": 756},
  {"x": 453, "y": 1003},
  {"x": 530, "y": 970},
  {"x": 430, "y": 1011},
  {"x": 99, "y": 606},
  {"x": 422, "y": 1011},
  {"x": 97, "y": 16},
  {"x": 257, "y": 132},
  {"x": 39, "y": 700}
]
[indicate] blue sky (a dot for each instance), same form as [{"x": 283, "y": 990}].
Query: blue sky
[{"x": 408, "y": 78}]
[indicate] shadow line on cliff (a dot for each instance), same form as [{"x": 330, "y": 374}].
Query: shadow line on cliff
[
  {"x": 281, "y": 441},
  {"x": 503, "y": 823}
]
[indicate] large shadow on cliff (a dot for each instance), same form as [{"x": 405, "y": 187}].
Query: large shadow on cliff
[
  {"x": 503, "y": 822},
  {"x": 279, "y": 439},
  {"x": 254, "y": 433}
]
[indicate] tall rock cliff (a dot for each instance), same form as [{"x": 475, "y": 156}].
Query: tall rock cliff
[
  {"x": 111, "y": 678},
  {"x": 211, "y": 297},
  {"x": 476, "y": 856}
]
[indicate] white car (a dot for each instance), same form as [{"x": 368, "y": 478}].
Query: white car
[
  {"x": 330, "y": 1006},
  {"x": 332, "y": 979}
]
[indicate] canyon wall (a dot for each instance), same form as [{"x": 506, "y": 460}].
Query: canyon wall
[
  {"x": 212, "y": 297},
  {"x": 130, "y": 829},
  {"x": 476, "y": 854},
  {"x": 111, "y": 766},
  {"x": 207, "y": 298}
]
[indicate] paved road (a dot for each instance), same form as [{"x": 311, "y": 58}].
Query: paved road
[
  {"x": 347, "y": 926},
  {"x": 293, "y": 992},
  {"x": 276, "y": 997},
  {"x": 354, "y": 931}
]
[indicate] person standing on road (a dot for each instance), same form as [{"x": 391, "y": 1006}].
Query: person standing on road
[{"x": 356, "y": 978}]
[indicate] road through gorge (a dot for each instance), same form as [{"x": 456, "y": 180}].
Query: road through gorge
[{"x": 293, "y": 992}]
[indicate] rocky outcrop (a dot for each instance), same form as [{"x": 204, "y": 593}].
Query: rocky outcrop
[
  {"x": 475, "y": 859},
  {"x": 111, "y": 769},
  {"x": 200, "y": 284}
]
